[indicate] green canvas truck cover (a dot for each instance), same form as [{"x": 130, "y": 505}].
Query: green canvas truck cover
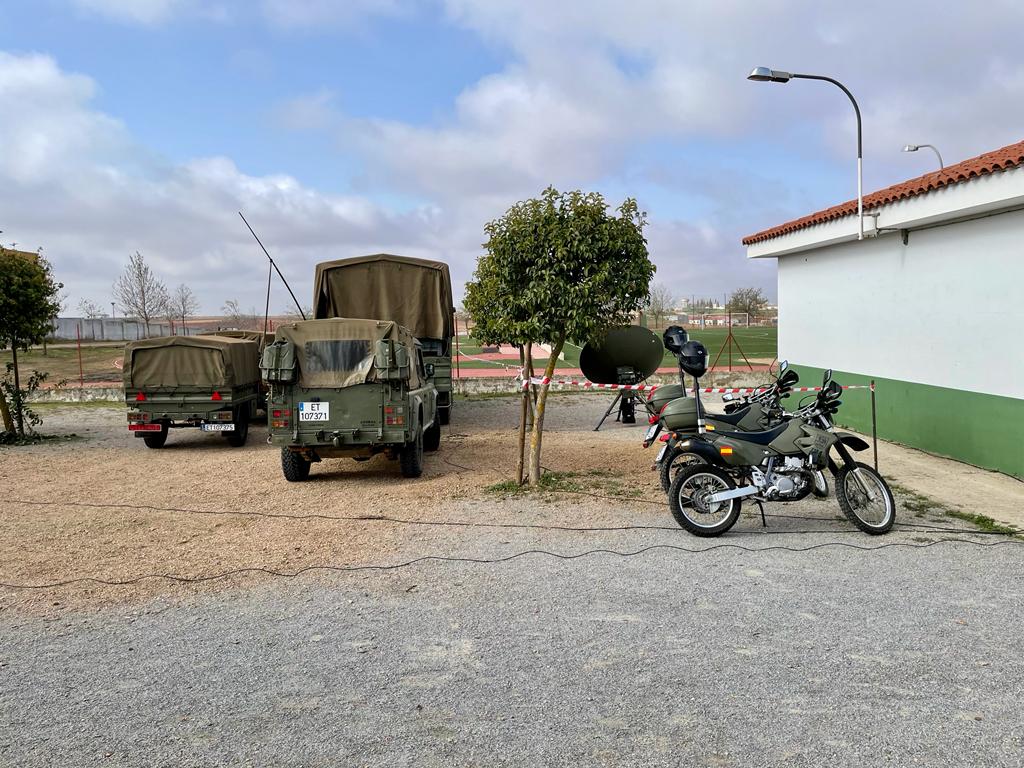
[
  {"x": 415, "y": 293},
  {"x": 339, "y": 352},
  {"x": 190, "y": 361},
  {"x": 259, "y": 337}
]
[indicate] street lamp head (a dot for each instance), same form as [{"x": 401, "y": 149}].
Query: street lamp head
[
  {"x": 911, "y": 148},
  {"x": 765, "y": 75}
]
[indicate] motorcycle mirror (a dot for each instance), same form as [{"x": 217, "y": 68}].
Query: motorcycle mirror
[
  {"x": 783, "y": 365},
  {"x": 827, "y": 377},
  {"x": 789, "y": 378}
]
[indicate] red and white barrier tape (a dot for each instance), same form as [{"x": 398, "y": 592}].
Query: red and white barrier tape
[{"x": 541, "y": 380}]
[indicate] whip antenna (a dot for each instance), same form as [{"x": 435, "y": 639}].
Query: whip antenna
[{"x": 272, "y": 264}]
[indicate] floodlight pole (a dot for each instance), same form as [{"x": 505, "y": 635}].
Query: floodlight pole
[{"x": 763, "y": 74}]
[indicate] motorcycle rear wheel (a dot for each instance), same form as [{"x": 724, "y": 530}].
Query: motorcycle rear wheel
[
  {"x": 687, "y": 500},
  {"x": 672, "y": 464},
  {"x": 873, "y": 512}
]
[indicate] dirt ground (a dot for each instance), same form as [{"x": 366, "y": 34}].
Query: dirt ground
[{"x": 105, "y": 506}]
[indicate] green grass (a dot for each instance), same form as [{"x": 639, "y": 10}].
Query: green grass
[
  {"x": 600, "y": 482},
  {"x": 62, "y": 363},
  {"x": 921, "y": 506}
]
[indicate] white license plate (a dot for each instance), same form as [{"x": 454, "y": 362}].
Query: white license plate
[
  {"x": 314, "y": 411},
  {"x": 661, "y": 454},
  {"x": 217, "y": 427},
  {"x": 651, "y": 431}
]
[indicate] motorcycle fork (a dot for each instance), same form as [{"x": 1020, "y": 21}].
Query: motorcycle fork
[{"x": 847, "y": 458}]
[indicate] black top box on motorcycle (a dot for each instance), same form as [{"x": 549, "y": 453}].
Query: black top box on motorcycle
[{"x": 627, "y": 355}]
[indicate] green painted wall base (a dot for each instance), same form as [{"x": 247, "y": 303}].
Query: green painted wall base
[{"x": 984, "y": 430}]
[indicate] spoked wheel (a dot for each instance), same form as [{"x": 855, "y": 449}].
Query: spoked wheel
[
  {"x": 673, "y": 463},
  {"x": 689, "y": 499},
  {"x": 865, "y": 498}
]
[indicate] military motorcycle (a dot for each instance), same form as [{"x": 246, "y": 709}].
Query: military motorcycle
[
  {"x": 777, "y": 465},
  {"x": 677, "y": 415}
]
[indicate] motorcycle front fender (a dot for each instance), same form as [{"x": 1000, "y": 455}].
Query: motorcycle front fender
[{"x": 851, "y": 441}]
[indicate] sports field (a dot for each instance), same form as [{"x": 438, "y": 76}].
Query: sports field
[{"x": 759, "y": 345}]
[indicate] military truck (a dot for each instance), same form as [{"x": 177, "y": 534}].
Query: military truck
[
  {"x": 415, "y": 293},
  {"x": 344, "y": 388},
  {"x": 210, "y": 383}
]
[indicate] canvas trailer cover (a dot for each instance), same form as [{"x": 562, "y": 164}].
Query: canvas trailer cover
[
  {"x": 200, "y": 362},
  {"x": 339, "y": 352},
  {"x": 415, "y": 293}
]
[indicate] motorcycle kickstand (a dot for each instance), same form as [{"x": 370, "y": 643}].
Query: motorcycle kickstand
[{"x": 760, "y": 505}]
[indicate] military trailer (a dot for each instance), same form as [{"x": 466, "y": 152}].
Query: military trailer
[
  {"x": 415, "y": 293},
  {"x": 210, "y": 383},
  {"x": 343, "y": 388}
]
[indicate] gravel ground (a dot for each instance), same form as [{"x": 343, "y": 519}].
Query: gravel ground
[{"x": 785, "y": 646}]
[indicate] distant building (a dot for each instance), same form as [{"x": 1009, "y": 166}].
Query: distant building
[{"x": 878, "y": 308}]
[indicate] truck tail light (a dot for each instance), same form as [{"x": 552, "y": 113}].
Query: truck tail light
[
  {"x": 279, "y": 412},
  {"x": 141, "y": 397},
  {"x": 279, "y": 423},
  {"x": 216, "y": 396},
  {"x": 144, "y": 427}
]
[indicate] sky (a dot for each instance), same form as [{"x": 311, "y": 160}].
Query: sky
[{"x": 346, "y": 127}]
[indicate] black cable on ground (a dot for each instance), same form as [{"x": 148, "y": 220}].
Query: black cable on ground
[{"x": 484, "y": 561}]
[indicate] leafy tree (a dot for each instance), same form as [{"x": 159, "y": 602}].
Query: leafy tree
[
  {"x": 139, "y": 292},
  {"x": 662, "y": 302},
  {"x": 558, "y": 267},
  {"x": 749, "y": 300},
  {"x": 29, "y": 302},
  {"x": 182, "y": 305}
]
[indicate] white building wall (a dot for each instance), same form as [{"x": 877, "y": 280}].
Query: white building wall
[{"x": 947, "y": 309}]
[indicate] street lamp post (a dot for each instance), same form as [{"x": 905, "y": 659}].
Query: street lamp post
[
  {"x": 766, "y": 75},
  {"x": 932, "y": 147},
  {"x": 112, "y": 313}
]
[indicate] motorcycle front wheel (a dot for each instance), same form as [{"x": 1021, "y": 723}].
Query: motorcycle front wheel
[
  {"x": 865, "y": 498},
  {"x": 688, "y": 499}
]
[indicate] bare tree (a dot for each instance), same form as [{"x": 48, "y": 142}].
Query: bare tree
[
  {"x": 749, "y": 300},
  {"x": 139, "y": 292},
  {"x": 238, "y": 317},
  {"x": 183, "y": 304},
  {"x": 292, "y": 315},
  {"x": 90, "y": 309},
  {"x": 662, "y": 303}
]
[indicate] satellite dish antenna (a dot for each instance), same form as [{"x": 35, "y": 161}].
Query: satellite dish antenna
[{"x": 627, "y": 355}]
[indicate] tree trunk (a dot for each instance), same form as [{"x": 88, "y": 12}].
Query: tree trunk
[
  {"x": 19, "y": 414},
  {"x": 523, "y": 414},
  {"x": 538, "y": 421},
  {"x": 531, "y": 390},
  {"x": 5, "y": 414}
]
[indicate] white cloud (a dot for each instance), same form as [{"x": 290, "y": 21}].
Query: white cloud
[
  {"x": 135, "y": 11},
  {"x": 73, "y": 181}
]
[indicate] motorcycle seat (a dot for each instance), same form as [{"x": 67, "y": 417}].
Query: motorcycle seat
[
  {"x": 733, "y": 418},
  {"x": 759, "y": 438}
]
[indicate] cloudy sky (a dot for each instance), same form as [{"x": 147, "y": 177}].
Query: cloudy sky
[{"x": 343, "y": 127}]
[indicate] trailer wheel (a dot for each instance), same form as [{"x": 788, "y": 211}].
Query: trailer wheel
[
  {"x": 411, "y": 458},
  {"x": 294, "y": 466},
  {"x": 237, "y": 438},
  {"x": 156, "y": 439}
]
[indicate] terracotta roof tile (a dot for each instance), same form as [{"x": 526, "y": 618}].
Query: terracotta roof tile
[{"x": 991, "y": 162}]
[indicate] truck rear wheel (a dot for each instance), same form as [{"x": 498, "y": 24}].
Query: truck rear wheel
[
  {"x": 156, "y": 439},
  {"x": 432, "y": 436},
  {"x": 237, "y": 438},
  {"x": 294, "y": 466},
  {"x": 411, "y": 458},
  {"x": 444, "y": 414}
]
